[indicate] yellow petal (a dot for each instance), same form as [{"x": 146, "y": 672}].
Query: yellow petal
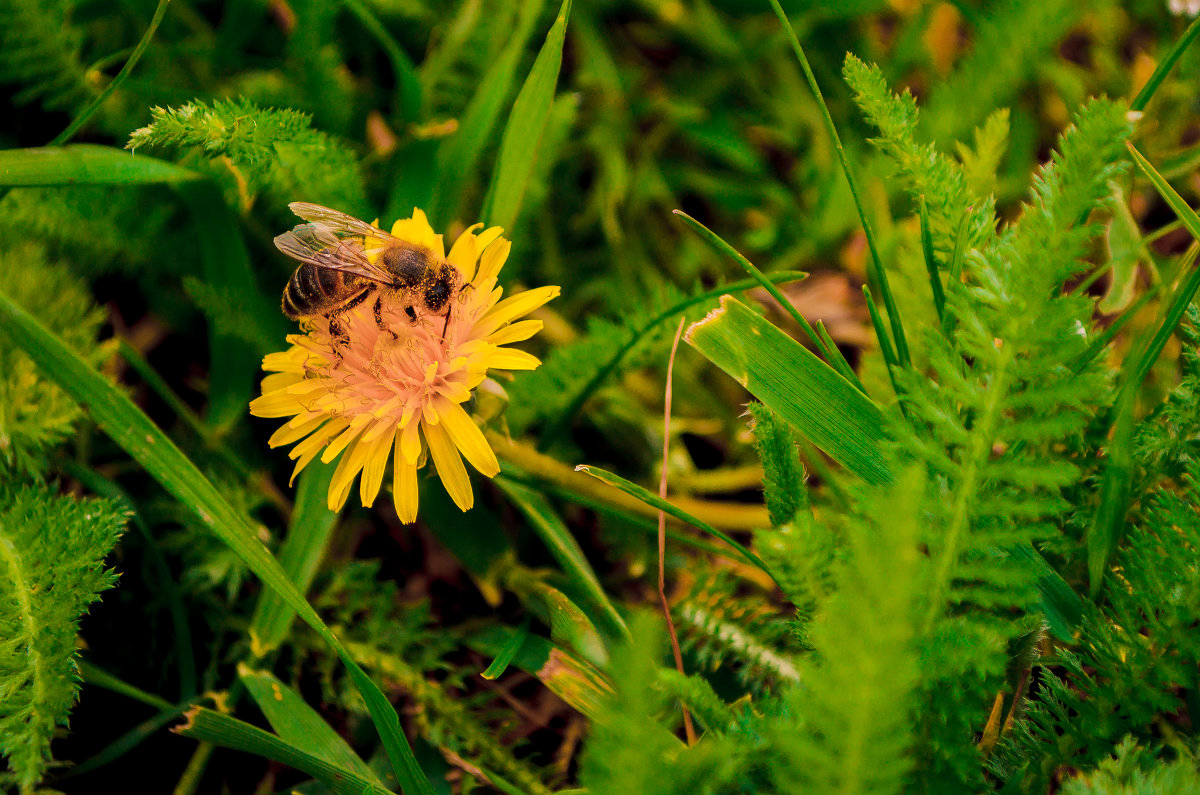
[
  {"x": 456, "y": 392},
  {"x": 343, "y": 477},
  {"x": 429, "y": 413},
  {"x": 319, "y": 438},
  {"x": 339, "y": 444},
  {"x": 417, "y": 230},
  {"x": 512, "y": 308},
  {"x": 306, "y": 417},
  {"x": 468, "y": 438},
  {"x": 276, "y": 404},
  {"x": 493, "y": 260},
  {"x": 376, "y": 462},
  {"x": 404, "y": 487},
  {"x": 304, "y": 461},
  {"x": 515, "y": 332},
  {"x": 449, "y": 466},
  {"x": 486, "y": 237},
  {"x": 289, "y": 361},
  {"x": 513, "y": 359},
  {"x": 378, "y": 429},
  {"x": 277, "y": 381},
  {"x": 287, "y": 434},
  {"x": 301, "y": 386},
  {"x": 410, "y": 442},
  {"x": 464, "y": 253}
]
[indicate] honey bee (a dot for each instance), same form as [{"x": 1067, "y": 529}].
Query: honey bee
[{"x": 344, "y": 261}]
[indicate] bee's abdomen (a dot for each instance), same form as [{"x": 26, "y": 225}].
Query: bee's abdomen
[{"x": 311, "y": 290}]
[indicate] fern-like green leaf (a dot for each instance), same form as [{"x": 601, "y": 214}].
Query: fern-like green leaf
[
  {"x": 1133, "y": 771},
  {"x": 929, "y": 174},
  {"x": 853, "y": 710},
  {"x": 35, "y": 414},
  {"x": 270, "y": 149},
  {"x": 52, "y": 551},
  {"x": 783, "y": 475},
  {"x": 630, "y": 750},
  {"x": 1139, "y": 647},
  {"x": 40, "y": 51}
]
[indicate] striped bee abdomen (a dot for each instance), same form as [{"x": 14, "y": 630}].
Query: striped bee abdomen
[{"x": 313, "y": 291}]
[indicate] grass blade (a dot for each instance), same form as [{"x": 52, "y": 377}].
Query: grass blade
[
  {"x": 523, "y": 133},
  {"x": 819, "y": 403},
  {"x": 563, "y": 546},
  {"x": 507, "y": 652},
  {"x": 717, "y": 242},
  {"x": 572, "y": 679},
  {"x": 1164, "y": 66},
  {"x": 227, "y": 731},
  {"x": 658, "y": 503},
  {"x": 116, "y": 82},
  {"x": 226, "y": 261},
  {"x": 402, "y": 66},
  {"x": 1116, "y": 483},
  {"x": 878, "y": 274},
  {"x": 458, "y": 157},
  {"x": 885, "y": 342},
  {"x": 299, "y": 724},
  {"x": 956, "y": 265},
  {"x": 555, "y": 429},
  {"x": 85, "y": 164},
  {"x": 935, "y": 276},
  {"x": 308, "y": 535},
  {"x": 129, "y": 427}
]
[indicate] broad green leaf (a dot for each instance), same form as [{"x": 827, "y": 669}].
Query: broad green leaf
[
  {"x": 117, "y": 416},
  {"x": 819, "y": 403},
  {"x": 458, "y": 156},
  {"x": 569, "y": 625},
  {"x": 523, "y": 133},
  {"x": 299, "y": 724},
  {"x": 85, "y": 164},
  {"x": 309, "y": 531},
  {"x": 227, "y": 731},
  {"x": 563, "y": 546}
]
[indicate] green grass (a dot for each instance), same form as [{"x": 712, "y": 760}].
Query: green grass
[{"x": 932, "y": 474}]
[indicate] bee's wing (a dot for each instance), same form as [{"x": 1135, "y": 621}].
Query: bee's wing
[
  {"x": 317, "y": 244},
  {"x": 339, "y": 223}
]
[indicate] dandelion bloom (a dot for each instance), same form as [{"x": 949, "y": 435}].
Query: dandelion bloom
[{"x": 402, "y": 386}]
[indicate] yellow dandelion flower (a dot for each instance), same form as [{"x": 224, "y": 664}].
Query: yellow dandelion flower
[{"x": 374, "y": 385}]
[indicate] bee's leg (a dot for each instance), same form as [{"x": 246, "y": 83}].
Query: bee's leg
[
  {"x": 412, "y": 314},
  {"x": 339, "y": 335},
  {"x": 446, "y": 325},
  {"x": 379, "y": 317}
]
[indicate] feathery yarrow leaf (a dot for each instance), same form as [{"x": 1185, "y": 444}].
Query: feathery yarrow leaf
[
  {"x": 273, "y": 149},
  {"x": 35, "y": 414},
  {"x": 52, "y": 551},
  {"x": 783, "y": 474}
]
